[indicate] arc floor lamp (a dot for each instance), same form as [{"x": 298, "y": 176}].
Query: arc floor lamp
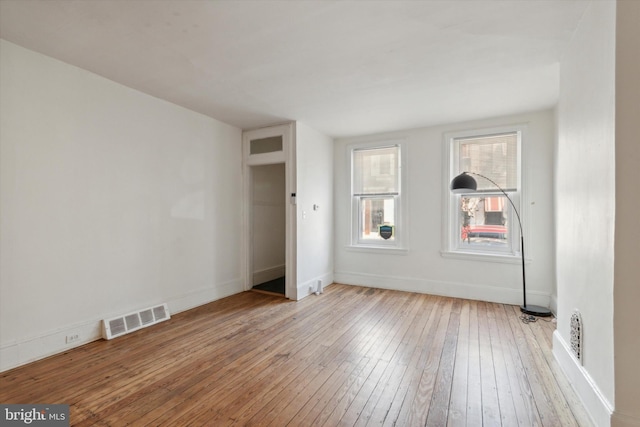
[{"x": 465, "y": 183}]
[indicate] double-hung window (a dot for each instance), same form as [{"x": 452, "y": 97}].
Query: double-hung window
[
  {"x": 376, "y": 191},
  {"x": 483, "y": 222}
]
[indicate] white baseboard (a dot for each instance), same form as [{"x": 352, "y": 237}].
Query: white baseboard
[
  {"x": 597, "y": 406},
  {"x": 304, "y": 289},
  {"x": 31, "y": 349},
  {"x": 268, "y": 274},
  {"x": 448, "y": 289},
  {"x": 21, "y": 352}
]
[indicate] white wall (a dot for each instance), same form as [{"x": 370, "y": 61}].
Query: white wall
[
  {"x": 422, "y": 268},
  {"x": 585, "y": 206},
  {"x": 111, "y": 201},
  {"x": 268, "y": 222},
  {"x": 627, "y": 234},
  {"x": 314, "y": 158}
]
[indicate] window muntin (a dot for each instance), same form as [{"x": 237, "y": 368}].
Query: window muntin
[
  {"x": 376, "y": 193},
  {"x": 483, "y": 222}
]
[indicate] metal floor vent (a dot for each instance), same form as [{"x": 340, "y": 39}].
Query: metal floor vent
[{"x": 122, "y": 325}]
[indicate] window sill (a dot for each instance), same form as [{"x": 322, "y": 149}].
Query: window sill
[
  {"x": 472, "y": 256},
  {"x": 391, "y": 250}
]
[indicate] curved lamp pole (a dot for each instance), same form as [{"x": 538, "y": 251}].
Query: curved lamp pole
[{"x": 465, "y": 183}]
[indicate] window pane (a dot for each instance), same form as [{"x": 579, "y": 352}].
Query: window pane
[
  {"x": 265, "y": 145},
  {"x": 483, "y": 222},
  {"x": 374, "y": 213},
  {"x": 376, "y": 171},
  {"x": 494, "y": 156}
]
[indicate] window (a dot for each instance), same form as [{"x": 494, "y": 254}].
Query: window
[
  {"x": 483, "y": 222},
  {"x": 265, "y": 145},
  {"x": 376, "y": 195}
]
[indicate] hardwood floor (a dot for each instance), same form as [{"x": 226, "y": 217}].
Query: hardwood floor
[{"x": 352, "y": 356}]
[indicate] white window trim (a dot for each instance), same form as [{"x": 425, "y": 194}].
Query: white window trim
[
  {"x": 450, "y": 247},
  {"x": 400, "y": 243}
]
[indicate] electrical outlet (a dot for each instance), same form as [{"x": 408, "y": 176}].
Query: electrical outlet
[{"x": 73, "y": 338}]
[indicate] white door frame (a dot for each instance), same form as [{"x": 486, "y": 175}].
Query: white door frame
[{"x": 286, "y": 156}]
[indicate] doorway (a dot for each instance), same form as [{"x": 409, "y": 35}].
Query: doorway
[
  {"x": 268, "y": 225},
  {"x": 269, "y": 249}
]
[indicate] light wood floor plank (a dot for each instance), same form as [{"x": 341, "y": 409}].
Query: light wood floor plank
[
  {"x": 524, "y": 404},
  {"x": 403, "y": 400},
  {"x": 457, "y": 415},
  {"x": 352, "y": 356},
  {"x": 559, "y": 405},
  {"x": 390, "y": 352},
  {"x": 490, "y": 406},
  {"x": 474, "y": 385},
  {"x": 535, "y": 378},
  {"x": 386, "y": 394},
  {"x": 387, "y": 338},
  {"x": 502, "y": 369},
  {"x": 440, "y": 401}
]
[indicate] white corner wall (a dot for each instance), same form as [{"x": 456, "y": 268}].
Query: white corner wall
[
  {"x": 627, "y": 234},
  {"x": 110, "y": 201},
  {"x": 422, "y": 268},
  {"x": 585, "y": 207},
  {"x": 314, "y": 165}
]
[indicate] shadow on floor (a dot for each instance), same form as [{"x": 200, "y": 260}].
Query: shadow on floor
[{"x": 275, "y": 286}]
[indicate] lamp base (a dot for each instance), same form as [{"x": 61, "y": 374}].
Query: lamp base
[{"x": 535, "y": 310}]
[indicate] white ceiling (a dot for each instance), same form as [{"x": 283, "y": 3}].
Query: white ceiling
[{"x": 342, "y": 67}]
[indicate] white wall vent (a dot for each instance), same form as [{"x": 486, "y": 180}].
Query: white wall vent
[{"x": 121, "y": 325}]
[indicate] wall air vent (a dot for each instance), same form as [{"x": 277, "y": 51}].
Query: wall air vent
[
  {"x": 122, "y": 325},
  {"x": 576, "y": 335}
]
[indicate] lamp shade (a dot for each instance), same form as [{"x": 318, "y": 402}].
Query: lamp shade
[{"x": 463, "y": 183}]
